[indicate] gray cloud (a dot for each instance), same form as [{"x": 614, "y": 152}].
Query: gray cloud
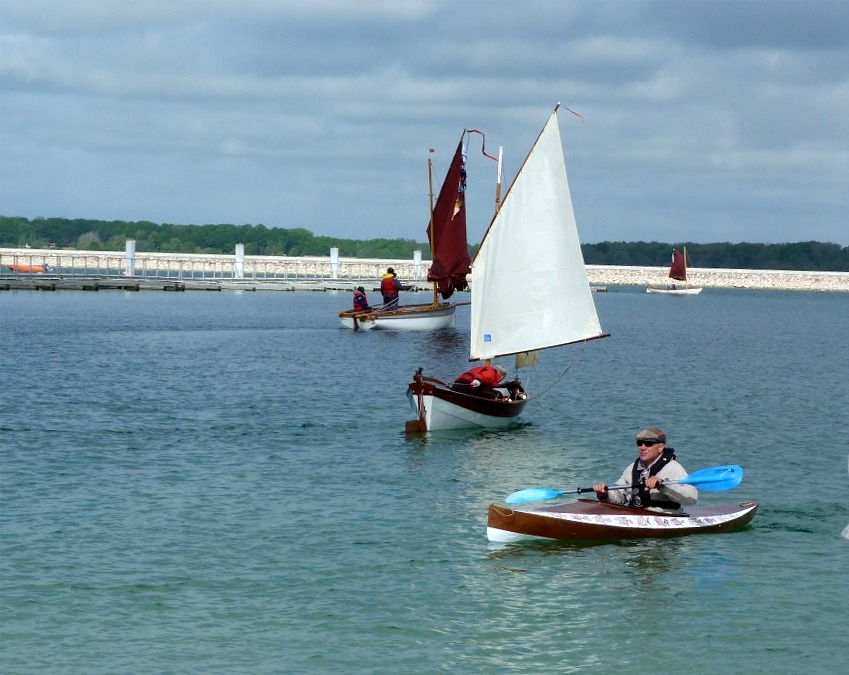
[{"x": 703, "y": 121}]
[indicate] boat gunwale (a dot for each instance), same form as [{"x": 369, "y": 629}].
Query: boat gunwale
[{"x": 396, "y": 313}]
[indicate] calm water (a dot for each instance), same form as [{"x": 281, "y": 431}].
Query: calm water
[{"x": 220, "y": 482}]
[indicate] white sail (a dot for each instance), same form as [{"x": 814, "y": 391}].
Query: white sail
[{"x": 529, "y": 283}]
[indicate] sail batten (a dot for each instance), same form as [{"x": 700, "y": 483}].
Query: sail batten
[{"x": 529, "y": 283}]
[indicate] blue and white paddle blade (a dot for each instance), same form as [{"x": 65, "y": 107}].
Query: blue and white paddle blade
[
  {"x": 715, "y": 479},
  {"x": 532, "y": 495}
]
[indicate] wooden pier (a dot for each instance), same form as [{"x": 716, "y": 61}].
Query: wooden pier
[
  {"x": 111, "y": 270},
  {"x": 60, "y": 282}
]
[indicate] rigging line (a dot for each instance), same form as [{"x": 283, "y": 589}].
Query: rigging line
[
  {"x": 575, "y": 113},
  {"x": 563, "y": 374},
  {"x": 483, "y": 143}
]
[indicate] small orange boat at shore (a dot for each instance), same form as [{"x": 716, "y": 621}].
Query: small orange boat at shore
[{"x": 30, "y": 269}]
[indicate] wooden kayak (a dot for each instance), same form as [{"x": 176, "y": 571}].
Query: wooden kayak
[{"x": 587, "y": 519}]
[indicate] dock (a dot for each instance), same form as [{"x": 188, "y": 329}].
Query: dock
[
  {"x": 178, "y": 272},
  {"x": 82, "y": 282}
]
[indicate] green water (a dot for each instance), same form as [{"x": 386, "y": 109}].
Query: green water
[{"x": 196, "y": 483}]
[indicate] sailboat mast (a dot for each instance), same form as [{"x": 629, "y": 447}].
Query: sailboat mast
[
  {"x": 432, "y": 238},
  {"x": 499, "y": 173},
  {"x": 498, "y": 177},
  {"x": 488, "y": 362}
]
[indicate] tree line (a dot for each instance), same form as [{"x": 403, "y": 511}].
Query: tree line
[{"x": 103, "y": 235}]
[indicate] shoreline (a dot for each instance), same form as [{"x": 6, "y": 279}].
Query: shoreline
[
  {"x": 721, "y": 278},
  {"x": 346, "y": 272}
]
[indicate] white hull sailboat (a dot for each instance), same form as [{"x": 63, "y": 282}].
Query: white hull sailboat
[
  {"x": 675, "y": 291},
  {"x": 446, "y": 233},
  {"x": 678, "y": 272},
  {"x": 529, "y": 292},
  {"x": 408, "y": 317}
]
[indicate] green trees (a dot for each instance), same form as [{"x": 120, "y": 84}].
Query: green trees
[
  {"x": 102, "y": 235},
  {"x": 807, "y": 255}
]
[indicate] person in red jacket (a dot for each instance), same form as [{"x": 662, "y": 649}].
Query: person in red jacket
[
  {"x": 481, "y": 381},
  {"x": 360, "y": 300},
  {"x": 390, "y": 287}
]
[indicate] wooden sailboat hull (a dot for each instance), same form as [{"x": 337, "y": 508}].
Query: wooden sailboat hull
[
  {"x": 675, "y": 291},
  {"x": 411, "y": 317},
  {"x": 587, "y": 520},
  {"x": 438, "y": 408}
]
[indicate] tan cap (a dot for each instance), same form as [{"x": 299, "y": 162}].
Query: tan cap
[{"x": 652, "y": 434}]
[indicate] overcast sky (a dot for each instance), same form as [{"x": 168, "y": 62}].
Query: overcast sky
[{"x": 702, "y": 121}]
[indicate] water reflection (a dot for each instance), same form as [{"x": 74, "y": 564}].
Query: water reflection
[
  {"x": 641, "y": 559},
  {"x": 647, "y": 558},
  {"x": 447, "y": 342}
]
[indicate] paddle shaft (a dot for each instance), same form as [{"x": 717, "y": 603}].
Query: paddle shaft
[
  {"x": 714, "y": 479},
  {"x": 581, "y": 491}
]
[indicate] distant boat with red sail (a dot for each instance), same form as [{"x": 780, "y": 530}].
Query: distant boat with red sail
[{"x": 678, "y": 272}]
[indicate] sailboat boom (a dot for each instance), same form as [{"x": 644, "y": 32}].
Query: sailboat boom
[{"x": 563, "y": 344}]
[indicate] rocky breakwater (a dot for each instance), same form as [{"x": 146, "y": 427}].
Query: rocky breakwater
[{"x": 606, "y": 275}]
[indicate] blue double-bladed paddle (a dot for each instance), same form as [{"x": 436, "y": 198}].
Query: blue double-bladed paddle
[{"x": 715, "y": 479}]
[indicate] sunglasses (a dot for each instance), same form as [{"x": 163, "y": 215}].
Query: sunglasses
[{"x": 647, "y": 442}]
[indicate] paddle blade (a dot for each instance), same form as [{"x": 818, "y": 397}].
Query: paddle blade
[
  {"x": 532, "y": 495},
  {"x": 716, "y": 478}
]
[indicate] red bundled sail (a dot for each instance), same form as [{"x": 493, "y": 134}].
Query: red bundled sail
[{"x": 447, "y": 232}]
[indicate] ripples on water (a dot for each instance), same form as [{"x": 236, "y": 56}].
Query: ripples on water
[{"x": 221, "y": 483}]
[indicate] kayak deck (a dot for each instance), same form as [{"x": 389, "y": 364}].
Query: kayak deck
[{"x": 587, "y": 519}]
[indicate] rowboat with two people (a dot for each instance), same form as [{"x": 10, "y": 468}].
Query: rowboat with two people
[{"x": 449, "y": 266}]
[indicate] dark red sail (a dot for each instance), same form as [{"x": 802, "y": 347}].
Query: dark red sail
[
  {"x": 448, "y": 243},
  {"x": 678, "y": 270}
]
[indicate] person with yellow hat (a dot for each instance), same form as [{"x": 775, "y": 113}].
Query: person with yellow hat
[{"x": 390, "y": 286}]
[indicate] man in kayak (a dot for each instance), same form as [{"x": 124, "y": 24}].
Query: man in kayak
[{"x": 656, "y": 463}]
